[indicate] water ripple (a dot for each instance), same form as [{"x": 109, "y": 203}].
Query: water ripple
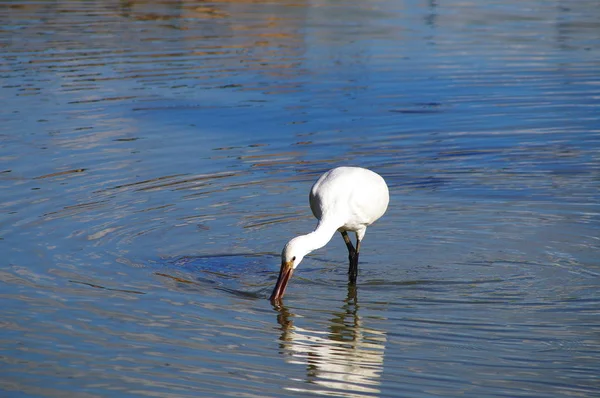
[{"x": 156, "y": 157}]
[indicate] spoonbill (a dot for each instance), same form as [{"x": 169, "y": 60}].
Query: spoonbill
[{"x": 343, "y": 199}]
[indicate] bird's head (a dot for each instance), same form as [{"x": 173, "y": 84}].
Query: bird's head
[{"x": 291, "y": 255}]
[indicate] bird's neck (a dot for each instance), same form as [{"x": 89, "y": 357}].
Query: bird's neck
[{"x": 319, "y": 237}]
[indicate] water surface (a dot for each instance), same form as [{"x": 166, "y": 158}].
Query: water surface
[{"x": 156, "y": 157}]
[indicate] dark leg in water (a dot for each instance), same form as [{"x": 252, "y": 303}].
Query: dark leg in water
[
  {"x": 354, "y": 272},
  {"x": 352, "y": 257}
]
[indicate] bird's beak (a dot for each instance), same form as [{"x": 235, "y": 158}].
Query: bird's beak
[{"x": 287, "y": 269}]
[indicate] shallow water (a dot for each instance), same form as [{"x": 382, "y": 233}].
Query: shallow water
[{"x": 155, "y": 158}]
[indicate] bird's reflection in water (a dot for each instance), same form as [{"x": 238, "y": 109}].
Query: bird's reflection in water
[{"x": 345, "y": 360}]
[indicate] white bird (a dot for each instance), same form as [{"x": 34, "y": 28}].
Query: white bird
[{"x": 343, "y": 199}]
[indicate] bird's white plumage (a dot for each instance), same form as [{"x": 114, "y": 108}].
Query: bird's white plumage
[
  {"x": 352, "y": 197},
  {"x": 343, "y": 199}
]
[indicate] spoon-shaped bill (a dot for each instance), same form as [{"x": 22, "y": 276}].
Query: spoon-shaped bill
[{"x": 284, "y": 276}]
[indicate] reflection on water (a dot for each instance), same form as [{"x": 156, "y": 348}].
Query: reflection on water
[
  {"x": 347, "y": 359},
  {"x": 156, "y": 156}
]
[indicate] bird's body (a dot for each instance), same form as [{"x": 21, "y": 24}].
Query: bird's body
[
  {"x": 351, "y": 197},
  {"x": 343, "y": 199}
]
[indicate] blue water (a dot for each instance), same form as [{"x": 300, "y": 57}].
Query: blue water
[{"x": 156, "y": 157}]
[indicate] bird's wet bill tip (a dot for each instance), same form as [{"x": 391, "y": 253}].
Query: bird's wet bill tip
[{"x": 285, "y": 273}]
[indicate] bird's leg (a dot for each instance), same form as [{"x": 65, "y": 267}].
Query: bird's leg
[
  {"x": 352, "y": 257},
  {"x": 349, "y": 245},
  {"x": 353, "y": 273}
]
